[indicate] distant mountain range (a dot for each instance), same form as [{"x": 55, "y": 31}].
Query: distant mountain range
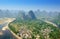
[
  {"x": 24, "y": 16},
  {"x": 46, "y": 15},
  {"x": 8, "y": 13},
  {"x": 31, "y": 14}
]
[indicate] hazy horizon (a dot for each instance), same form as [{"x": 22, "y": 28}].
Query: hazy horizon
[{"x": 47, "y": 5}]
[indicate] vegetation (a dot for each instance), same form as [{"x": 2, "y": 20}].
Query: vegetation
[{"x": 35, "y": 29}]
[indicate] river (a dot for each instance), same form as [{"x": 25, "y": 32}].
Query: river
[{"x": 5, "y": 34}]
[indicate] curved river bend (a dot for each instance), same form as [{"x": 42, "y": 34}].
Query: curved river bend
[{"x": 5, "y": 33}]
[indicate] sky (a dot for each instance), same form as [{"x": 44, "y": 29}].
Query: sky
[{"x": 48, "y": 5}]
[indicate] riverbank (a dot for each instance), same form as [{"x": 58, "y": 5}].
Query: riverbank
[
  {"x": 50, "y": 23},
  {"x": 5, "y": 32},
  {"x": 16, "y": 36}
]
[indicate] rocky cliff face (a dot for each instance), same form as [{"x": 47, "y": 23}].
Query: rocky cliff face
[
  {"x": 32, "y": 15},
  {"x": 29, "y": 16}
]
